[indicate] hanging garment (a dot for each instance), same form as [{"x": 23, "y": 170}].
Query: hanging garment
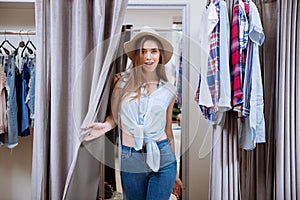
[
  {"x": 209, "y": 20},
  {"x": 30, "y": 99},
  {"x": 253, "y": 127},
  {"x": 239, "y": 40},
  {"x": 179, "y": 83},
  {"x": 3, "y": 119},
  {"x": 22, "y": 80},
  {"x": 213, "y": 74},
  {"x": 10, "y": 69},
  {"x": 214, "y": 94},
  {"x": 224, "y": 103}
]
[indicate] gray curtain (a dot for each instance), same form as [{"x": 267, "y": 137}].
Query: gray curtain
[
  {"x": 224, "y": 171},
  {"x": 288, "y": 110},
  {"x": 257, "y": 166},
  {"x": 76, "y": 42},
  {"x": 240, "y": 174}
]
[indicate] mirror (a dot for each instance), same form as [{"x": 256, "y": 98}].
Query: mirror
[{"x": 169, "y": 20}]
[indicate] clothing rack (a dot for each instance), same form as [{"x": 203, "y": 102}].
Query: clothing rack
[
  {"x": 20, "y": 44},
  {"x": 14, "y": 32}
]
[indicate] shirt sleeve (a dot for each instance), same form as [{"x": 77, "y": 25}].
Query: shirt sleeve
[{"x": 256, "y": 32}]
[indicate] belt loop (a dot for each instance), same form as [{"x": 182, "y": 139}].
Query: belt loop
[{"x": 130, "y": 151}]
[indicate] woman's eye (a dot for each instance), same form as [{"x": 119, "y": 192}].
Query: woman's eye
[{"x": 154, "y": 51}]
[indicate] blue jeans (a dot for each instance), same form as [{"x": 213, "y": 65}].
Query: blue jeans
[
  {"x": 31, "y": 91},
  {"x": 22, "y": 81},
  {"x": 139, "y": 182},
  {"x": 10, "y": 71}
]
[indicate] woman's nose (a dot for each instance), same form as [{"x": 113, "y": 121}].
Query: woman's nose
[{"x": 148, "y": 55}]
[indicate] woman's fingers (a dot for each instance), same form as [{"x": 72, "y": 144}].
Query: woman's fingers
[
  {"x": 92, "y": 125},
  {"x": 178, "y": 186},
  {"x": 91, "y": 136},
  {"x": 95, "y": 132}
]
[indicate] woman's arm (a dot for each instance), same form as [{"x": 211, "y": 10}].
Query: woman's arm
[
  {"x": 169, "y": 130},
  {"x": 178, "y": 186}
]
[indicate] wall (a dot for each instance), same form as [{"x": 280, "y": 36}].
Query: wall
[
  {"x": 15, "y": 164},
  {"x": 159, "y": 18},
  {"x": 199, "y": 134}
]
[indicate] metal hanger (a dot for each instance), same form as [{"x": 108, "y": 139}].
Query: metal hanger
[
  {"x": 5, "y": 49},
  {"x": 207, "y": 3},
  {"x": 29, "y": 42},
  {"x": 21, "y": 43}
]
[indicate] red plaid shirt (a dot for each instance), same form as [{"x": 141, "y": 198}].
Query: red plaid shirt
[{"x": 238, "y": 56}]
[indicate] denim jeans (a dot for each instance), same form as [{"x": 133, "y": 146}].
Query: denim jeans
[
  {"x": 9, "y": 69},
  {"x": 139, "y": 182},
  {"x": 22, "y": 90},
  {"x": 30, "y": 99}
]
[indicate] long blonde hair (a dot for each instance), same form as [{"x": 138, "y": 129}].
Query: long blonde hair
[{"x": 134, "y": 76}]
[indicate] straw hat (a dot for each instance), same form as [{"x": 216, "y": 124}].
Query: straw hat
[{"x": 130, "y": 46}]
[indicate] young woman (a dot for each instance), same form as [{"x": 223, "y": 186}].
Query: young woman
[{"x": 141, "y": 105}]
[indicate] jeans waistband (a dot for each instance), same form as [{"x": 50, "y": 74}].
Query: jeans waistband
[{"x": 160, "y": 144}]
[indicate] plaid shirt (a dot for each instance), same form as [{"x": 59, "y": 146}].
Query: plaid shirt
[
  {"x": 239, "y": 41},
  {"x": 210, "y": 113}
]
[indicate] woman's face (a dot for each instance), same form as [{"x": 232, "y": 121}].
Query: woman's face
[{"x": 150, "y": 55}]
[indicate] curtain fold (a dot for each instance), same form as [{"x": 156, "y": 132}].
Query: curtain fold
[
  {"x": 287, "y": 113},
  {"x": 224, "y": 182},
  {"x": 40, "y": 172},
  {"x": 257, "y": 175},
  {"x": 297, "y": 104},
  {"x": 72, "y": 90}
]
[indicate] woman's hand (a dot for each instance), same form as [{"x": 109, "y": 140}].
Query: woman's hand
[
  {"x": 97, "y": 130},
  {"x": 178, "y": 186}
]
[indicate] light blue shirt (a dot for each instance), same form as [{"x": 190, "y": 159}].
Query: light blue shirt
[
  {"x": 253, "y": 127},
  {"x": 145, "y": 119},
  {"x": 224, "y": 103}
]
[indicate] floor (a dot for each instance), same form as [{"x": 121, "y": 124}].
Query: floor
[{"x": 116, "y": 196}]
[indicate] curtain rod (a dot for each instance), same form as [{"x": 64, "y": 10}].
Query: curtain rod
[{"x": 14, "y": 32}]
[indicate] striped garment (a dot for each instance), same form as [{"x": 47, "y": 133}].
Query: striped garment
[
  {"x": 210, "y": 113},
  {"x": 239, "y": 41},
  {"x": 179, "y": 84}
]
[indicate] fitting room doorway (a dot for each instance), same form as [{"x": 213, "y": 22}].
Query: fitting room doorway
[{"x": 171, "y": 21}]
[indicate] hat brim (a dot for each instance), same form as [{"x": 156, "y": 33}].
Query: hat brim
[{"x": 130, "y": 46}]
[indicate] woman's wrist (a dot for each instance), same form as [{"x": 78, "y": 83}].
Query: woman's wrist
[{"x": 110, "y": 124}]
